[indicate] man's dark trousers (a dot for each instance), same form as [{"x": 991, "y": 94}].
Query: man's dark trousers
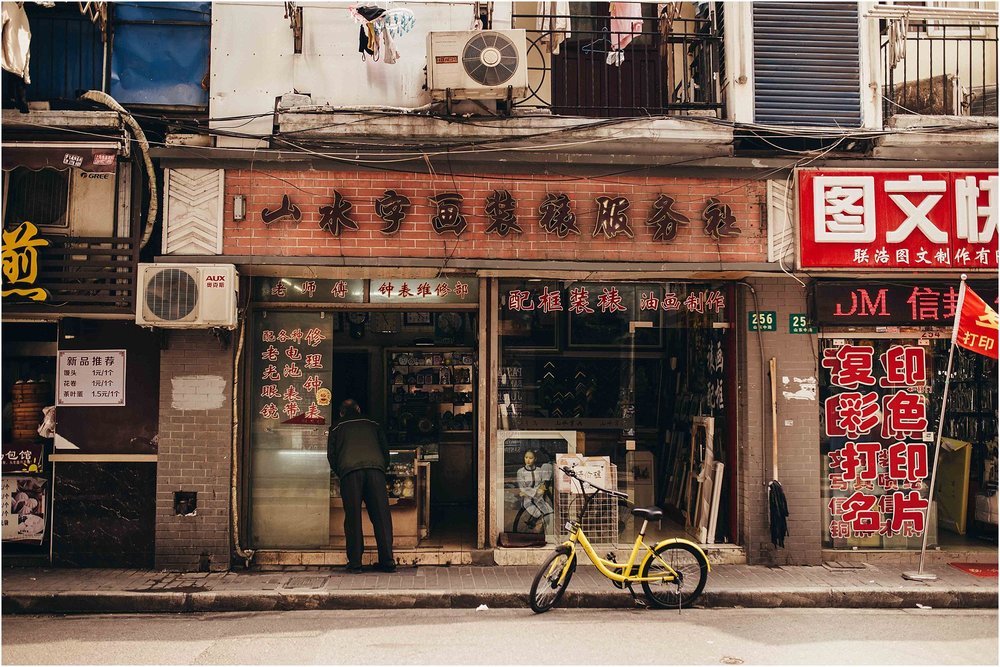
[{"x": 367, "y": 484}]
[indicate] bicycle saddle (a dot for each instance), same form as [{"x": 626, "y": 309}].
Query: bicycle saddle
[{"x": 651, "y": 513}]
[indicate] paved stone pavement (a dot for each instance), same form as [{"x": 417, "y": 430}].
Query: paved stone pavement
[{"x": 51, "y": 590}]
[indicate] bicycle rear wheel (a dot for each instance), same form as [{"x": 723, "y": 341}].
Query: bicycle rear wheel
[
  {"x": 692, "y": 573},
  {"x": 546, "y": 589}
]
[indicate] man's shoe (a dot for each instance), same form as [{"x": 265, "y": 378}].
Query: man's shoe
[
  {"x": 391, "y": 567},
  {"x": 354, "y": 569}
]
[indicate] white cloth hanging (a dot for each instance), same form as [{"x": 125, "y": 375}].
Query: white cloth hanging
[
  {"x": 389, "y": 53},
  {"x": 554, "y": 23},
  {"x": 16, "y": 40}
]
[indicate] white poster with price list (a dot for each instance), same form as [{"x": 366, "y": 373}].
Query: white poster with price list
[{"x": 91, "y": 378}]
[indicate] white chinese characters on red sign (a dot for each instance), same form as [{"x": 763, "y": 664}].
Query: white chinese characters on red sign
[
  {"x": 898, "y": 219},
  {"x": 879, "y": 413}
]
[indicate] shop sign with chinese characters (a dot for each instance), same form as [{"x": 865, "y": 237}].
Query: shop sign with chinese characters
[
  {"x": 88, "y": 378},
  {"x": 23, "y": 456},
  {"x": 309, "y": 290},
  {"x": 875, "y": 415},
  {"x": 555, "y": 215},
  {"x": 899, "y": 303},
  {"x": 292, "y": 368},
  {"x": 585, "y": 300},
  {"x": 424, "y": 291},
  {"x": 898, "y": 219}
]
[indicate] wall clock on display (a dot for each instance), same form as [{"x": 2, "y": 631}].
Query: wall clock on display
[
  {"x": 386, "y": 322},
  {"x": 448, "y": 327},
  {"x": 356, "y": 322}
]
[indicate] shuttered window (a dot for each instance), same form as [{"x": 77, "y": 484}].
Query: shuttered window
[{"x": 807, "y": 63}]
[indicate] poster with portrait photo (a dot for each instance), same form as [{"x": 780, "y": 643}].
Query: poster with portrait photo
[{"x": 529, "y": 459}]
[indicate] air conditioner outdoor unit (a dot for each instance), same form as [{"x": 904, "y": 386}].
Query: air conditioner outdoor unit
[
  {"x": 187, "y": 296},
  {"x": 479, "y": 64}
]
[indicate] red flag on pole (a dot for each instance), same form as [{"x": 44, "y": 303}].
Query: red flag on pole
[{"x": 975, "y": 324}]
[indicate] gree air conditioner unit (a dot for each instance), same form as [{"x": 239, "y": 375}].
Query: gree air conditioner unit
[
  {"x": 478, "y": 64},
  {"x": 187, "y": 296}
]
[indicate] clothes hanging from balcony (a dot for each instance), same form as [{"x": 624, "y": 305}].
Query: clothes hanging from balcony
[
  {"x": 16, "y": 40},
  {"x": 554, "y": 23},
  {"x": 626, "y": 22}
]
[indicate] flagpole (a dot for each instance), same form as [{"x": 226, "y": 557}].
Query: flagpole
[{"x": 920, "y": 575}]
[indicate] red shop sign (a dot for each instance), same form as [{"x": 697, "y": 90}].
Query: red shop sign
[{"x": 898, "y": 219}]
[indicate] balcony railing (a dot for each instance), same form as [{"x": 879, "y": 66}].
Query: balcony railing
[
  {"x": 936, "y": 68},
  {"x": 84, "y": 275},
  {"x": 608, "y": 67}
]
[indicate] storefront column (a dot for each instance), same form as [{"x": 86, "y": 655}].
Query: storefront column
[
  {"x": 196, "y": 372},
  {"x": 798, "y": 425}
]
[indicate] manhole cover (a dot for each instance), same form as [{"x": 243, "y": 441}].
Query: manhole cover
[{"x": 305, "y": 582}]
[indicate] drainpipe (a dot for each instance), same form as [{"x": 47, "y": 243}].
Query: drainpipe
[
  {"x": 245, "y": 554},
  {"x": 140, "y": 137}
]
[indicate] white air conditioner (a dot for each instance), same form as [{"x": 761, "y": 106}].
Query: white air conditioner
[
  {"x": 187, "y": 296},
  {"x": 478, "y": 64}
]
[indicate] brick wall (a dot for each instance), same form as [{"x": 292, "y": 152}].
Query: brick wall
[
  {"x": 798, "y": 444},
  {"x": 194, "y": 451},
  {"x": 309, "y": 190}
]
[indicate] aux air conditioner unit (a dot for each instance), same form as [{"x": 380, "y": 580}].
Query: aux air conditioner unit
[
  {"x": 187, "y": 296},
  {"x": 478, "y": 64}
]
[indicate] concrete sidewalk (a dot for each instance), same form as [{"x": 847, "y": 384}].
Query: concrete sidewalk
[{"x": 49, "y": 591}]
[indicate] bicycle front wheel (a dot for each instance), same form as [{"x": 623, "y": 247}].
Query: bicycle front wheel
[
  {"x": 680, "y": 591},
  {"x": 547, "y": 589}
]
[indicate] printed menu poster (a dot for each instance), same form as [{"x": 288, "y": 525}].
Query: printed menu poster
[{"x": 23, "y": 509}]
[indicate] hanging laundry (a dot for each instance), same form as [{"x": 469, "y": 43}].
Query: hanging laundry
[
  {"x": 626, "y": 22},
  {"x": 389, "y": 53},
  {"x": 367, "y": 42},
  {"x": 16, "y": 40},
  {"x": 554, "y": 23}
]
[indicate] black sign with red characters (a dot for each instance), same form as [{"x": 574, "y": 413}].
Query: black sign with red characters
[{"x": 895, "y": 303}]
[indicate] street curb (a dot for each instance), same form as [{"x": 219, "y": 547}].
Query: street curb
[{"x": 154, "y": 602}]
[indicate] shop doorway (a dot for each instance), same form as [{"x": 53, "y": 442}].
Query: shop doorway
[{"x": 417, "y": 372}]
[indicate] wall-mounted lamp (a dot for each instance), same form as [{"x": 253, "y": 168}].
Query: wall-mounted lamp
[{"x": 239, "y": 208}]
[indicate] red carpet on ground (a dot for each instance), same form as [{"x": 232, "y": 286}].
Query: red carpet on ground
[{"x": 977, "y": 569}]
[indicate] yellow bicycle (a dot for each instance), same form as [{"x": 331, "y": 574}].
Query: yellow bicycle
[{"x": 673, "y": 573}]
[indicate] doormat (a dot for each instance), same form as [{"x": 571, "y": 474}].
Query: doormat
[{"x": 977, "y": 569}]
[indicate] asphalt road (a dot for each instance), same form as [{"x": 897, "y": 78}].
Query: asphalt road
[{"x": 510, "y": 636}]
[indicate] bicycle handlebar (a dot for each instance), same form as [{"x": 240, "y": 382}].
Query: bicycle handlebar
[{"x": 572, "y": 473}]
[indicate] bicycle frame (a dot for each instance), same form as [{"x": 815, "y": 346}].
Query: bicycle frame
[{"x": 608, "y": 568}]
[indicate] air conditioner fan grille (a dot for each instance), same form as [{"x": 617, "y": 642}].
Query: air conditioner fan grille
[
  {"x": 172, "y": 294},
  {"x": 490, "y": 58}
]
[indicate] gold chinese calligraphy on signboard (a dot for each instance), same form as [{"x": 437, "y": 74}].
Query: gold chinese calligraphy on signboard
[{"x": 20, "y": 261}]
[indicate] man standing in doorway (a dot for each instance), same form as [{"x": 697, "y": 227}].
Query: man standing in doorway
[{"x": 359, "y": 454}]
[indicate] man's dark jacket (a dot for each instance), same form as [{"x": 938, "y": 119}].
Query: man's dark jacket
[{"x": 355, "y": 444}]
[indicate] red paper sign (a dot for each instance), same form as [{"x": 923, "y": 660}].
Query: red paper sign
[{"x": 884, "y": 219}]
